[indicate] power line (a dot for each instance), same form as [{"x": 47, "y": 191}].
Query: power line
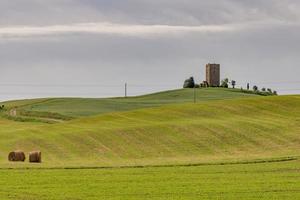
[
  {"x": 99, "y": 86},
  {"x": 279, "y": 82},
  {"x": 289, "y": 89},
  {"x": 81, "y": 85},
  {"x": 60, "y": 85}
]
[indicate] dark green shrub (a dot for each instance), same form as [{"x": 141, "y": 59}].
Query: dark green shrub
[
  {"x": 255, "y": 88},
  {"x": 233, "y": 83},
  {"x": 224, "y": 83},
  {"x": 189, "y": 83},
  {"x": 269, "y": 90}
]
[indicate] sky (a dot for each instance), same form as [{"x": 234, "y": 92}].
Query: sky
[{"x": 91, "y": 48}]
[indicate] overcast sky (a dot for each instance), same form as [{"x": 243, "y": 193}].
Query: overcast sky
[{"x": 90, "y": 48}]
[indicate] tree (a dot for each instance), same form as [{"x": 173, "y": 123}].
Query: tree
[
  {"x": 275, "y": 92},
  {"x": 224, "y": 83},
  {"x": 263, "y": 89},
  {"x": 189, "y": 83},
  {"x": 255, "y": 88},
  {"x": 269, "y": 90},
  {"x": 233, "y": 83}
]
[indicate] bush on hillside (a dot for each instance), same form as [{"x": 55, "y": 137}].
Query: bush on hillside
[
  {"x": 189, "y": 83},
  {"x": 224, "y": 83},
  {"x": 270, "y": 90},
  {"x": 233, "y": 83},
  {"x": 255, "y": 88}
]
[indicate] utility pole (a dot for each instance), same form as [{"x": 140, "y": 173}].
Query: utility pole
[
  {"x": 194, "y": 94},
  {"x": 125, "y": 90}
]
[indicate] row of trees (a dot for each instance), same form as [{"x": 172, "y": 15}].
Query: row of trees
[
  {"x": 264, "y": 90},
  {"x": 190, "y": 83},
  {"x": 225, "y": 83}
]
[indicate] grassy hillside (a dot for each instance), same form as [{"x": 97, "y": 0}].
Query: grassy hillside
[
  {"x": 216, "y": 131},
  {"x": 224, "y": 147},
  {"x": 64, "y": 108}
]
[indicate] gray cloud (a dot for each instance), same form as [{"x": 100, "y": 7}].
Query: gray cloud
[
  {"x": 145, "y": 43},
  {"x": 108, "y": 28},
  {"x": 165, "y": 12}
]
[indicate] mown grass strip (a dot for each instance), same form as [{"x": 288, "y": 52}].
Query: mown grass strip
[{"x": 246, "y": 162}]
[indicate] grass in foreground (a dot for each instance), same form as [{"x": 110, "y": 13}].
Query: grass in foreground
[{"x": 241, "y": 181}]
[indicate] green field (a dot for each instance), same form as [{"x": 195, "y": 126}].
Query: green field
[
  {"x": 81, "y": 107},
  {"x": 247, "y": 181},
  {"x": 229, "y": 145}
]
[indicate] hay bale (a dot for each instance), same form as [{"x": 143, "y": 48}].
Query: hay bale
[
  {"x": 35, "y": 157},
  {"x": 16, "y": 156}
]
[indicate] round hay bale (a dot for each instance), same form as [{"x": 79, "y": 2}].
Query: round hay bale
[
  {"x": 11, "y": 156},
  {"x": 35, "y": 157},
  {"x": 16, "y": 156}
]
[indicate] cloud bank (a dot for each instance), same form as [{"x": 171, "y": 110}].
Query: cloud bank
[{"x": 109, "y": 28}]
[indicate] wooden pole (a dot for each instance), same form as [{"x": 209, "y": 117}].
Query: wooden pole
[{"x": 194, "y": 94}]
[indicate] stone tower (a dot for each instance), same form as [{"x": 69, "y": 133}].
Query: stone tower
[{"x": 213, "y": 74}]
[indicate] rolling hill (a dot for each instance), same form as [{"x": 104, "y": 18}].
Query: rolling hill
[
  {"x": 229, "y": 145},
  {"x": 69, "y": 108},
  {"x": 235, "y": 129}
]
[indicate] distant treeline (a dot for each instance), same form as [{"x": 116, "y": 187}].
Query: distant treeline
[{"x": 190, "y": 83}]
